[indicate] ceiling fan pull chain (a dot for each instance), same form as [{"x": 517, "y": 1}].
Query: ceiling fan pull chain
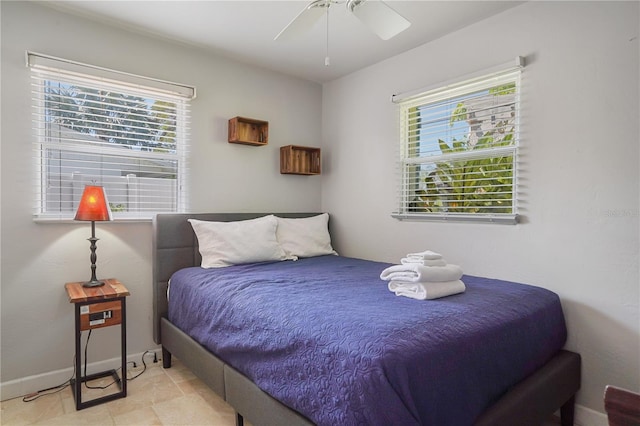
[{"x": 326, "y": 58}]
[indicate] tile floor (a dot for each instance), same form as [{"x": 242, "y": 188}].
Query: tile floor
[{"x": 157, "y": 397}]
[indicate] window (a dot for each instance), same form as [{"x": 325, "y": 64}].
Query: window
[
  {"x": 96, "y": 126},
  {"x": 458, "y": 153}
]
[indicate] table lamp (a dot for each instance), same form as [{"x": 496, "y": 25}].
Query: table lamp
[{"x": 93, "y": 207}]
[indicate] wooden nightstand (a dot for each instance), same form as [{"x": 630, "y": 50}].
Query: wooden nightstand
[{"x": 98, "y": 307}]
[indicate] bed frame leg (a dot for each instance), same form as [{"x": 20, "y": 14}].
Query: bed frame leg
[
  {"x": 166, "y": 358},
  {"x": 567, "y": 412},
  {"x": 239, "y": 419}
]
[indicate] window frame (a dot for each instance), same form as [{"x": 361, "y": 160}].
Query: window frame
[
  {"x": 407, "y": 158},
  {"x": 102, "y": 153}
]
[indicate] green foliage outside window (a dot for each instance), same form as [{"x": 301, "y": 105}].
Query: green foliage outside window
[{"x": 474, "y": 183}]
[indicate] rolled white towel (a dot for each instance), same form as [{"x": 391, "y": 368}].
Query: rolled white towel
[
  {"x": 427, "y": 290},
  {"x": 413, "y": 272},
  {"x": 425, "y": 262},
  {"x": 427, "y": 254}
]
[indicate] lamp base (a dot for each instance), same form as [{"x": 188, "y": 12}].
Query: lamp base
[{"x": 93, "y": 283}]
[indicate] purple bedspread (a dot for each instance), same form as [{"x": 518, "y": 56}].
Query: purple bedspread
[{"x": 327, "y": 338}]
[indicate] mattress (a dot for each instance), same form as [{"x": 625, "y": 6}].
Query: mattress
[{"x": 326, "y": 337}]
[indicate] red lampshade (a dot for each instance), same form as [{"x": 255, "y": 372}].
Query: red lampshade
[{"x": 94, "y": 205}]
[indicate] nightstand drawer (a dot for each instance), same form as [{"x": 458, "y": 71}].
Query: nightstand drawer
[{"x": 98, "y": 315}]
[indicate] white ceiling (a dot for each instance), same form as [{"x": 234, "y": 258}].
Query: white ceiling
[{"x": 245, "y": 30}]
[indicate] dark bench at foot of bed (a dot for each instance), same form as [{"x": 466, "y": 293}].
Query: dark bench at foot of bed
[{"x": 622, "y": 406}]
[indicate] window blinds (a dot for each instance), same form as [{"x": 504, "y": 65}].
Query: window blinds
[
  {"x": 458, "y": 150},
  {"x": 96, "y": 126}
]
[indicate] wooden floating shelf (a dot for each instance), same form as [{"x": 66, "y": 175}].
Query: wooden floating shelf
[
  {"x": 248, "y": 131},
  {"x": 299, "y": 160}
]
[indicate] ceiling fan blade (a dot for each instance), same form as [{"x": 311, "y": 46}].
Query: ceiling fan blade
[
  {"x": 379, "y": 17},
  {"x": 305, "y": 20}
]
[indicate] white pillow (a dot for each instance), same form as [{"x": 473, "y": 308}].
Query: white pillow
[
  {"x": 230, "y": 243},
  {"x": 305, "y": 237}
]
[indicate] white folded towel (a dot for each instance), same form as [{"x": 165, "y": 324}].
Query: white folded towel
[
  {"x": 425, "y": 262},
  {"x": 414, "y": 273},
  {"x": 428, "y": 290},
  {"x": 427, "y": 254}
]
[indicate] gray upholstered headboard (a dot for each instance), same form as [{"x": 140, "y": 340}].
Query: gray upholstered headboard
[{"x": 175, "y": 247}]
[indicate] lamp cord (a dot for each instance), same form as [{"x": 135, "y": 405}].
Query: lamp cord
[
  {"x": 43, "y": 392},
  {"x": 35, "y": 395},
  {"x": 86, "y": 346}
]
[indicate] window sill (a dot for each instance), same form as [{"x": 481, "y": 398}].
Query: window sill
[
  {"x": 477, "y": 218},
  {"x": 58, "y": 220}
]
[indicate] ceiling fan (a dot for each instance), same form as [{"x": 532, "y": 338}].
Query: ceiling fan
[{"x": 376, "y": 15}]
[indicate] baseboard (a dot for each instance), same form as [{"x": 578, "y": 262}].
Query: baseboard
[
  {"x": 587, "y": 417},
  {"x": 27, "y": 385}
]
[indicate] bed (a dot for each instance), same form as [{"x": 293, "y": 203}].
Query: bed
[{"x": 549, "y": 379}]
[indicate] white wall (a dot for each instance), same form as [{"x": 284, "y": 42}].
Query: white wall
[
  {"x": 579, "y": 181},
  {"x": 37, "y": 259}
]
